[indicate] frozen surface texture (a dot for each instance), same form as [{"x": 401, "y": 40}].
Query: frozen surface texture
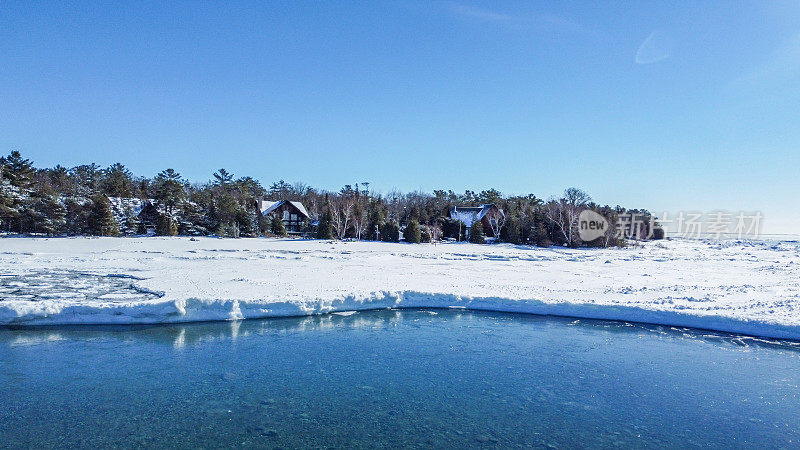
[{"x": 737, "y": 286}]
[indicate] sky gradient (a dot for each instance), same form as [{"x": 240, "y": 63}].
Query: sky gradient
[{"x": 659, "y": 105}]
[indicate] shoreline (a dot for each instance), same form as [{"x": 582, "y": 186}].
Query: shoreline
[{"x": 740, "y": 287}]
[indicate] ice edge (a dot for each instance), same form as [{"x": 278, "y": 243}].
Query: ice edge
[{"x": 201, "y": 310}]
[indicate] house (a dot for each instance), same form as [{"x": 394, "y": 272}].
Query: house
[
  {"x": 490, "y": 215},
  {"x": 293, "y": 214}
]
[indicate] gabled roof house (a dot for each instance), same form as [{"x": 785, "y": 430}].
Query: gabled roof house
[
  {"x": 470, "y": 214},
  {"x": 293, "y": 214}
]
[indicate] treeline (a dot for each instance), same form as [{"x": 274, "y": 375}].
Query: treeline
[{"x": 111, "y": 201}]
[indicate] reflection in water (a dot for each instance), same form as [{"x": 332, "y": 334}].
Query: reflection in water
[
  {"x": 424, "y": 378},
  {"x": 180, "y": 335}
]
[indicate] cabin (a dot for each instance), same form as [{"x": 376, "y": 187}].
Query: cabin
[
  {"x": 293, "y": 214},
  {"x": 470, "y": 214}
]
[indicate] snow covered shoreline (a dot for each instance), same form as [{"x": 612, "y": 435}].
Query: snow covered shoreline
[{"x": 740, "y": 287}]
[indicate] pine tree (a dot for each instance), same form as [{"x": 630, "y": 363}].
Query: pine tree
[
  {"x": 9, "y": 207},
  {"x": 166, "y": 226},
  {"x": 43, "y": 213},
  {"x": 223, "y": 177},
  {"x": 78, "y": 212},
  {"x": 412, "y": 233},
  {"x": 225, "y": 209},
  {"x": 170, "y": 190},
  {"x": 17, "y": 170},
  {"x": 244, "y": 223},
  {"x": 510, "y": 232},
  {"x": 376, "y": 220},
  {"x": 540, "y": 236},
  {"x": 476, "y": 235},
  {"x": 118, "y": 181},
  {"x": 325, "y": 226},
  {"x": 101, "y": 220},
  {"x": 390, "y": 232},
  {"x": 276, "y": 226}
]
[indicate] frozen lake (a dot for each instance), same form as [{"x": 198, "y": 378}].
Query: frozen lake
[{"x": 421, "y": 378}]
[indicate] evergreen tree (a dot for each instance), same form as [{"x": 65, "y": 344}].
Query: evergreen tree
[
  {"x": 511, "y": 231},
  {"x": 325, "y": 226},
  {"x": 245, "y": 225},
  {"x": 101, "y": 220},
  {"x": 77, "y": 218},
  {"x": 43, "y": 213},
  {"x": 390, "y": 232},
  {"x": 539, "y": 235},
  {"x": 223, "y": 177},
  {"x": 476, "y": 235},
  {"x": 9, "y": 207},
  {"x": 86, "y": 180},
  {"x": 196, "y": 220},
  {"x": 166, "y": 226},
  {"x": 276, "y": 226},
  {"x": 376, "y": 219},
  {"x": 118, "y": 181},
  {"x": 412, "y": 233},
  {"x": 225, "y": 208},
  {"x": 170, "y": 189},
  {"x": 17, "y": 170}
]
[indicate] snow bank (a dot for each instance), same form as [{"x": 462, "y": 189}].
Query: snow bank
[{"x": 734, "y": 286}]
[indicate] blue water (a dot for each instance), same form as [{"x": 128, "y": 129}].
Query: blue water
[{"x": 396, "y": 379}]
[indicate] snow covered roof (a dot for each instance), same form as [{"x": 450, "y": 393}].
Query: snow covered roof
[
  {"x": 300, "y": 207},
  {"x": 470, "y": 214},
  {"x": 269, "y": 206}
]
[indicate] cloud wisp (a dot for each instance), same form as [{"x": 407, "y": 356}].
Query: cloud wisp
[
  {"x": 657, "y": 47},
  {"x": 529, "y": 21}
]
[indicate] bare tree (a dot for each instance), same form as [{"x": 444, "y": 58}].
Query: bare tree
[
  {"x": 434, "y": 231},
  {"x": 360, "y": 220},
  {"x": 564, "y": 212},
  {"x": 342, "y": 214},
  {"x": 496, "y": 221}
]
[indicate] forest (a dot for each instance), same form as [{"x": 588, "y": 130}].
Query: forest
[{"x": 112, "y": 201}]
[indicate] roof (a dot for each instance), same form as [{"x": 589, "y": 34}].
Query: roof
[
  {"x": 470, "y": 214},
  {"x": 269, "y": 206},
  {"x": 300, "y": 207}
]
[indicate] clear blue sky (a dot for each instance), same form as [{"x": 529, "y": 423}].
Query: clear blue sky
[{"x": 661, "y": 105}]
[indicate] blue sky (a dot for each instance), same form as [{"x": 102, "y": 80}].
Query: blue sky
[{"x": 660, "y": 105}]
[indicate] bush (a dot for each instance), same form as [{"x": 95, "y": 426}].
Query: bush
[
  {"x": 412, "y": 234},
  {"x": 390, "y": 232},
  {"x": 476, "y": 235}
]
